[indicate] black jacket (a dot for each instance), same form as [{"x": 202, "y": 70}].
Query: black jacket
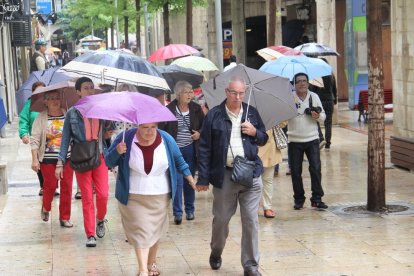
[
  {"x": 214, "y": 143},
  {"x": 328, "y": 92},
  {"x": 196, "y": 118}
]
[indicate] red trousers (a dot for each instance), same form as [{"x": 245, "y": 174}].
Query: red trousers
[
  {"x": 50, "y": 183},
  {"x": 99, "y": 179}
]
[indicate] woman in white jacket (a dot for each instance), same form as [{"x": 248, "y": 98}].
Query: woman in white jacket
[{"x": 45, "y": 143}]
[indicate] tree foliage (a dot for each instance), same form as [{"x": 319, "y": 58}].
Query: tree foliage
[{"x": 78, "y": 17}]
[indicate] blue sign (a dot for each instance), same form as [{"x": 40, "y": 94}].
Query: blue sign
[
  {"x": 359, "y": 8},
  {"x": 44, "y": 6}
]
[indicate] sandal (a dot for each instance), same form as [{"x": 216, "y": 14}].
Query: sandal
[
  {"x": 269, "y": 213},
  {"x": 153, "y": 270}
]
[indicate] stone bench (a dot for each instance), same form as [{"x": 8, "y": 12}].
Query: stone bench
[{"x": 3, "y": 178}]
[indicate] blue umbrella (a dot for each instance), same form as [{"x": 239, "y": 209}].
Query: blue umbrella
[
  {"x": 289, "y": 66},
  {"x": 48, "y": 77}
]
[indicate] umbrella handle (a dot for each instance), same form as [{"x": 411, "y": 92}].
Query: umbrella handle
[{"x": 123, "y": 134}]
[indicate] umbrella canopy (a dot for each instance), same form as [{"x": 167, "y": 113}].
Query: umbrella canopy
[
  {"x": 317, "y": 82},
  {"x": 271, "y": 95},
  {"x": 285, "y": 50},
  {"x": 130, "y": 107},
  {"x": 90, "y": 38},
  {"x": 269, "y": 54},
  {"x": 113, "y": 76},
  {"x": 316, "y": 49},
  {"x": 174, "y": 73},
  {"x": 197, "y": 63},
  {"x": 172, "y": 51},
  {"x": 119, "y": 59},
  {"x": 48, "y": 77},
  {"x": 68, "y": 95},
  {"x": 275, "y": 52},
  {"x": 289, "y": 66}
]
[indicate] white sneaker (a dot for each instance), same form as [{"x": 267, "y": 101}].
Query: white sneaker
[{"x": 91, "y": 242}]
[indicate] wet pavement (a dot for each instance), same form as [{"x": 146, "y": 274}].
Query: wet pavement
[{"x": 305, "y": 242}]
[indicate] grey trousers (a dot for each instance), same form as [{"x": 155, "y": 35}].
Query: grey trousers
[{"x": 224, "y": 207}]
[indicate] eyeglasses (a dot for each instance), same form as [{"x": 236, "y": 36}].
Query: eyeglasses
[{"x": 235, "y": 93}]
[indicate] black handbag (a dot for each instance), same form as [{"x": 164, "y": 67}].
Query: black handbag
[
  {"x": 243, "y": 171},
  {"x": 85, "y": 156}
]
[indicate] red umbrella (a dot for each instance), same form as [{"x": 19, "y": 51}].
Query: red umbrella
[
  {"x": 287, "y": 51},
  {"x": 172, "y": 51}
]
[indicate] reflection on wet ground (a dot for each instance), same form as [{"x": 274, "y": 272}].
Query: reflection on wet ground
[{"x": 305, "y": 242}]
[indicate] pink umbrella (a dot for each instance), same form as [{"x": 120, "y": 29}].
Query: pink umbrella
[
  {"x": 285, "y": 50},
  {"x": 172, "y": 51},
  {"x": 130, "y": 107}
]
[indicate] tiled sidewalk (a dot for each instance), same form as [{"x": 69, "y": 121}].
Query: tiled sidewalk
[{"x": 306, "y": 242}]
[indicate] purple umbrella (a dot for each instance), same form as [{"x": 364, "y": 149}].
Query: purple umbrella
[{"x": 130, "y": 107}]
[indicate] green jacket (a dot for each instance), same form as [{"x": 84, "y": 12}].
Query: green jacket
[{"x": 26, "y": 120}]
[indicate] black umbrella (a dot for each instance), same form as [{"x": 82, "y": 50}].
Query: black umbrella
[
  {"x": 174, "y": 73},
  {"x": 121, "y": 60}
]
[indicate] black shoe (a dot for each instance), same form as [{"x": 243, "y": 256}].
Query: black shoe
[
  {"x": 215, "y": 262},
  {"x": 41, "y": 192},
  {"x": 190, "y": 216},
  {"x": 298, "y": 205},
  {"x": 252, "y": 273},
  {"x": 319, "y": 205},
  {"x": 57, "y": 193},
  {"x": 178, "y": 219}
]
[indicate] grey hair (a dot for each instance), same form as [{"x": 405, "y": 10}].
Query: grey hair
[
  {"x": 180, "y": 86},
  {"x": 238, "y": 79},
  {"x": 126, "y": 87}
]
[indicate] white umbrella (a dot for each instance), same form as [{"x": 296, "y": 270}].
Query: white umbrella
[
  {"x": 269, "y": 54},
  {"x": 113, "y": 76},
  {"x": 200, "y": 64}
]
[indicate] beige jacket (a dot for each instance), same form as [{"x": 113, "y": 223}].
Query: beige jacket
[
  {"x": 269, "y": 153},
  {"x": 38, "y": 137}
]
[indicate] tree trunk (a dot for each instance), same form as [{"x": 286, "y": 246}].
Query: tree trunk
[
  {"x": 138, "y": 26},
  {"x": 165, "y": 17},
  {"x": 278, "y": 24},
  {"x": 376, "y": 135},
  {"x": 271, "y": 27},
  {"x": 238, "y": 26},
  {"x": 189, "y": 22},
  {"x": 112, "y": 35},
  {"x": 126, "y": 24}
]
